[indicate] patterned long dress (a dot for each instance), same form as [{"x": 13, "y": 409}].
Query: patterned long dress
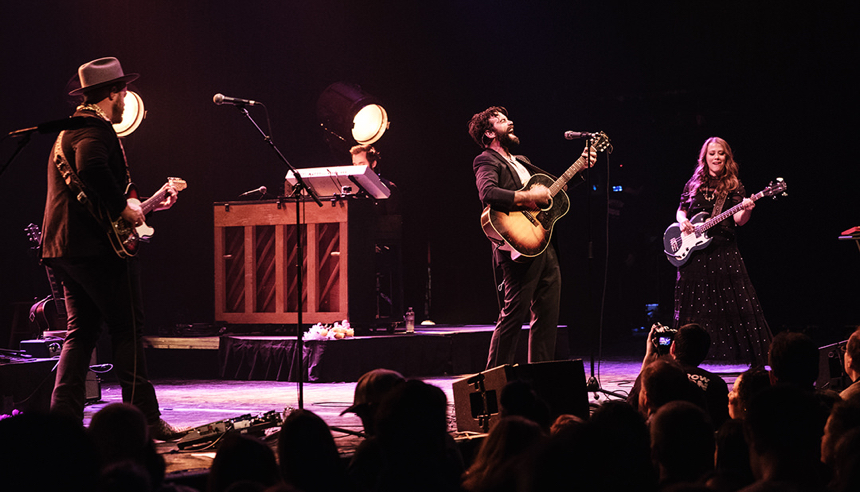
[{"x": 714, "y": 290}]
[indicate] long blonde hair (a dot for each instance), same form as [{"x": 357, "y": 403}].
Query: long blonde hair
[{"x": 729, "y": 177}]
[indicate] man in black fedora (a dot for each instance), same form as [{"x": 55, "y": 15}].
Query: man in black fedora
[{"x": 87, "y": 182}]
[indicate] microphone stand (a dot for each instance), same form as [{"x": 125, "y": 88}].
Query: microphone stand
[
  {"x": 592, "y": 385},
  {"x": 298, "y": 355},
  {"x": 21, "y": 144},
  {"x": 71, "y": 123}
]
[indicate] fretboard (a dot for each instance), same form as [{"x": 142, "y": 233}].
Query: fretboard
[
  {"x": 723, "y": 216},
  {"x": 577, "y": 166},
  {"x": 150, "y": 204}
]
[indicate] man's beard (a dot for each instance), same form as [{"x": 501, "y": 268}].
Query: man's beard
[
  {"x": 118, "y": 108},
  {"x": 509, "y": 140}
]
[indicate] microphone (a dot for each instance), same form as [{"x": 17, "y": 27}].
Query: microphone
[
  {"x": 261, "y": 190},
  {"x": 73, "y": 123},
  {"x": 235, "y": 101},
  {"x": 577, "y": 135}
]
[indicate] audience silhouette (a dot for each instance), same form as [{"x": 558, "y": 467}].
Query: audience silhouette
[
  {"x": 308, "y": 455},
  {"x": 784, "y": 436}
]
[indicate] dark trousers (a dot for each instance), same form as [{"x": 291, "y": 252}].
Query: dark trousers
[
  {"x": 533, "y": 286},
  {"x": 103, "y": 289}
]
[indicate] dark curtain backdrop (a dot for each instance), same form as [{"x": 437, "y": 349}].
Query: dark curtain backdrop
[{"x": 773, "y": 78}]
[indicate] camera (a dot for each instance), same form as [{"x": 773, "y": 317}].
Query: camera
[{"x": 662, "y": 338}]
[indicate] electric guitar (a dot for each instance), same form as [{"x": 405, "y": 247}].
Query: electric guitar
[
  {"x": 526, "y": 232},
  {"x": 49, "y": 314},
  {"x": 124, "y": 236},
  {"x": 677, "y": 245}
]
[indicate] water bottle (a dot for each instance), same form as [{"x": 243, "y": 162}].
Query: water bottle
[{"x": 410, "y": 321}]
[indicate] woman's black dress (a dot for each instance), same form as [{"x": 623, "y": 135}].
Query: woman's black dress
[{"x": 714, "y": 290}]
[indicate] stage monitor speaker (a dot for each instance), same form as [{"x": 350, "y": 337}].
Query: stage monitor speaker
[
  {"x": 831, "y": 367},
  {"x": 561, "y": 384}
]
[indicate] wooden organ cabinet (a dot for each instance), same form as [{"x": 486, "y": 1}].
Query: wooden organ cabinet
[{"x": 351, "y": 263}]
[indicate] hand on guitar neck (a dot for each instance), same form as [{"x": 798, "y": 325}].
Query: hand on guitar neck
[
  {"x": 589, "y": 153},
  {"x": 133, "y": 212},
  {"x": 130, "y": 228},
  {"x": 741, "y": 217}
]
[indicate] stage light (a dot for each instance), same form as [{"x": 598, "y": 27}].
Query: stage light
[
  {"x": 132, "y": 115},
  {"x": 351, "y": 115}
]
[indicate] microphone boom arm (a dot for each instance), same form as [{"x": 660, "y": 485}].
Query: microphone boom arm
[{"x": 300, "y": 182}]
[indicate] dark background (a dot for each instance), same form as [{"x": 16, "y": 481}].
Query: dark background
[{"x": 772, "y": 78}]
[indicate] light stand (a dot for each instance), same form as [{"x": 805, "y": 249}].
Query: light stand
[{"x": 298, "y": 359}]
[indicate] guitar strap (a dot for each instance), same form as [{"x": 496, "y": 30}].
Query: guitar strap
[
  {"x": 718, "y": 207},
  {"x": 74, "y": 182}
]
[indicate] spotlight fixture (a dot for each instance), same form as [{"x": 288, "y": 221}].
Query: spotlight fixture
[
  {"x": 132, "y": 115},
  {"x": 351, "y": 115}
]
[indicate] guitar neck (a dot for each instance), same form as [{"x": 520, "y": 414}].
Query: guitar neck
[
  {"x": 577, "y": 166},
  {"x": 150, "y": 204},
  {"x": 726, "y": 214}
]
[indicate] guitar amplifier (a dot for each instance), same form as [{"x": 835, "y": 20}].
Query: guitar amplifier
[{"x": 49, "y": 348}]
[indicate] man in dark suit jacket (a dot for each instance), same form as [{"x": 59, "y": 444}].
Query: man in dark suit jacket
[
  {"x": 531, "y": 284},
  {"x": 99, "y": 286}
]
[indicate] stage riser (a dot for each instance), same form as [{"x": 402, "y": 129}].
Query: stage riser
[
  {"x": 419, "y": 355},
  {"x": 436, "y": 351}
]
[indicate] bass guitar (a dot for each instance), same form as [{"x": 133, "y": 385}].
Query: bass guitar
[
  {"x": 678, "y": 245},
  {"x": 526, "y": 232},
  {"x": 124, "y": 236}
]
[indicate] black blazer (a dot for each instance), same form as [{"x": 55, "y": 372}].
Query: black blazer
[
  {"x": 68, "y": 228},
  {"x": 497, "y": 180}
]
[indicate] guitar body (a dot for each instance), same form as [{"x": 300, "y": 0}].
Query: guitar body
[
  {"x": 678, "y": 245},
  {"x": 525, "y": 232},
  {"x": 48, "y": 315},
  {"x": 123, "y": 236}
]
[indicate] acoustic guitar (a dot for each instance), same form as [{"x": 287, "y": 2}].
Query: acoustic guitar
[
  {"x": 49, "y": 314},
  {"x": 527, "y": 232}
]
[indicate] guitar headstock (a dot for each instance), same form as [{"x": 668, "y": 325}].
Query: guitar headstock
[
  {"x": 776, "y": 187},
  {"x": 34, "y": 234},
  {"x": 601, "y": 142},
  {"x": 179, "y": 184}
]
